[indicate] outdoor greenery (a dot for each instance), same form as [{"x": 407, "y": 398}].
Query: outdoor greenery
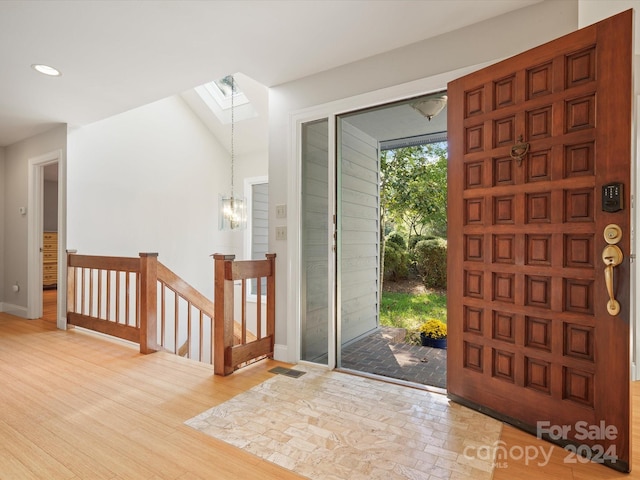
[
  {"x": 431, "y": 262},
  {"x": 413, "y": 192},
  {"x": 413, "y": 222},
  {"x": 409, "y": 311}
]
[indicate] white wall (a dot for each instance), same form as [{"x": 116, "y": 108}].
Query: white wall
[
  {"x": 379, "y": 80},
  {"x": 15, "y": 225},
  {"x": 2, "y": 216},
  {"x": 148, "y": 180}
]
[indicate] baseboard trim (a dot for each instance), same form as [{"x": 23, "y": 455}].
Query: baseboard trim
[
  {"x": 281, "y": 353},
  {"x": 12, "y": 309}
]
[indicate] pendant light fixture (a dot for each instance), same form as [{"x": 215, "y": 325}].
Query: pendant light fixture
[{"x": 232, "y": 208}]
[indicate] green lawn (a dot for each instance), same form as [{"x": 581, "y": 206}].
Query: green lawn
[{"x": 405, "y": 310}]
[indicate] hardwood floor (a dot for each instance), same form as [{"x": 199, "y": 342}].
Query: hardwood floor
[
  {"x": 75, "y": 405},
  {"x": 78, "y": 406},
  {"x": 49, "y": 305}
]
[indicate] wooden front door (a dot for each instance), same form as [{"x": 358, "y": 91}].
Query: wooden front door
[{"x": 535, "y": 140}]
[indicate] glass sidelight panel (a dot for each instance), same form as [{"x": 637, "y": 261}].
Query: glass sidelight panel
[{"x": 315, "y": 247}]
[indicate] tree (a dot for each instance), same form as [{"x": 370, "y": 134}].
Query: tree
[{"x": 413, "y": 192}]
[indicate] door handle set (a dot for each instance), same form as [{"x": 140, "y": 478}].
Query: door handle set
[{"x": 612, "y": 257}]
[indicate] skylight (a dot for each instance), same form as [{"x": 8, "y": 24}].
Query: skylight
[
  {"x": 217, "y": 96},
  {"x": 221, "y": 90}
]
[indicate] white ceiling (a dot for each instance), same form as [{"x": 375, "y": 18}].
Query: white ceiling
[{"x": 118, "y": 55}]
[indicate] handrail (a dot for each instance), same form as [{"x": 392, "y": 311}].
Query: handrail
[{"x": 127, "y": 298}]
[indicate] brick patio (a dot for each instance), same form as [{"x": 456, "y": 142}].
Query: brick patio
[{"x": 384, "y": 353}]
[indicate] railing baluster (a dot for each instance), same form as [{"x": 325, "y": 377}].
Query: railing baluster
[
  {"x": 108, "y": 315},
  {"x": 243, "y": 302},
  {"x": 91, "y": 292},
  {"x": 118, "y": 297},
  {"x": 176, "y": 316},
  {"x": 201, "y": 339},
  {"x": 259, "y": 308},
  {"x": 82, "y": 308},
  {"x": 127, "y": 305},
  {"x": 99, "y": 293},
  {"x": 189, "y": 330},
  {"x": 162, "y": 315}
]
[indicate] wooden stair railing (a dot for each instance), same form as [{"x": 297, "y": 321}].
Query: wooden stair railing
[
  {"x": 110, "y": 294},
  {"x": 141, "y": 300},
  {"x": 191, "y": 299},
  {"x": 229, "y": 353}
]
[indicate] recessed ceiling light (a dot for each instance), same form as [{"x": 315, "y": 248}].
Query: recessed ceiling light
[{"x": 46, "y": 70}]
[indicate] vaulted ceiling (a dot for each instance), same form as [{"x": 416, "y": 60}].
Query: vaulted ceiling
[{"x": 118, "y": 55}]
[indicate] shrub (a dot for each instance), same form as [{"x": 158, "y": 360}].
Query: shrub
[
  {"x": 396, "y": 262},
  {"x": 417, "y": 238},
  {"x": 397, "y": 239},
  {"x": 431, "y": 262}
]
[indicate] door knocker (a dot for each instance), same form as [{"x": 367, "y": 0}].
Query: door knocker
[{"x": 519, "y": 150}]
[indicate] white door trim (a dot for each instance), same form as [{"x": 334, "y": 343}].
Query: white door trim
[
  {"x": 35, "y": 231},
  {"x": 330, "y": 111}
]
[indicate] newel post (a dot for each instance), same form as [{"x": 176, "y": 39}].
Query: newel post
[
  {"x": 148, "y": 304},
  {"x": 223, "y": 313}
]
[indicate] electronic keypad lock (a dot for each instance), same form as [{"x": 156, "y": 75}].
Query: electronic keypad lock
[{"x": 612, "y": 197}]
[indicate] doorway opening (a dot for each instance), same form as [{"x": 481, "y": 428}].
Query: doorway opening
[
  {"x": 50, "y": 242},
  {"x": 391, "y": 229},
  {"x": 46, "y": 224},
  {"x": 346, "y": 310}
]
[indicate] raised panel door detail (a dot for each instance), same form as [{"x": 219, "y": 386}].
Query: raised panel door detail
[
  {"x": 538, "y": 333},
  {"x": 580, "y": 67},
  {"x": 579, "y": 250},
  {"x": 473, "y": 248},
  {"x": 539, "y": 81},
  {"x": 504, "y": 287},
  {"x": 474, "y": 139},
  {"x": 578, "y": 341},
  {"x": 538, "y": 207},
  {"x": 539, "y": 123},
  {"x": 473, "y": 284},
  {"x": 473, "y": 320},
  {"x": 579, "y": 159},
  {"x": 538, "y": 249},
  {"x": 503, "y": 171},
  {"x": 504, "y": 131},
  {"x": 504, "y": 327},
  {"x": 504, "y": 248},
  {"x": 474, "y": 173},
  {"x": 473, "y": 102},
  {"x": 578, "y": 296},
  {"x": 504, "y": 92},
  {"x": 503, "y": 365},
  {"x": 504, "y": 210},
  {"x": 580, "y": 113},
  {"x": 579, "y": 205},
  {"x": 472, "y": 357},
  {"x": 539, "y": 166},
  {"x": 578, "y": 386},
  {"x": 538, "y": 375},
  {"x": 538, "y": 291},
  {"x": 474, "y": 211}
]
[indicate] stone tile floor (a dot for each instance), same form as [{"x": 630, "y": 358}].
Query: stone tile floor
[
  {"x": 383, "y": 353},
  {"x": 327, "y": 425}
]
